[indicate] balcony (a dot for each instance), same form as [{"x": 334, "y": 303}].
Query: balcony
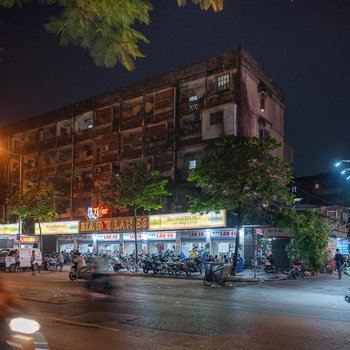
[
  {"x": 131, "y": 122},
  {"x": 64, "y": 139},
  {"x": 131, "y": 153},
  {"x": 83, "y": 135}
]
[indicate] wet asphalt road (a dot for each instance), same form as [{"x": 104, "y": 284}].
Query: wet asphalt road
[{"x": 169, "y": 313}]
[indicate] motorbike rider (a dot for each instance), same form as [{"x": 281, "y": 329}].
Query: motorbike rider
[{"x": 80, "y": 261}]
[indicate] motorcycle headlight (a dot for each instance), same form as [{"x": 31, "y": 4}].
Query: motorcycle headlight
[{"x": 24, "y": 325}]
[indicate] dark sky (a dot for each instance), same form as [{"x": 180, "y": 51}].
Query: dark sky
[{"x": 303, "y": 44}]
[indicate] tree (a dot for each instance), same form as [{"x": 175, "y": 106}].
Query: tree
[
  {"x": 105, "y": 28},
  {"x": 38, "y": 204},
  {"x": 242, "y": 177},
  {"x": 137, "y": 187},
  {"x": 310, "y": 235}
]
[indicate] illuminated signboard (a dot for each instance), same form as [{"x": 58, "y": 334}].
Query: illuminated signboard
[
  {"x": 57, "y": 228},
  {"x": 98, "y": 212},
  {"x": 29, "y": 239},
  {"x": 113, "y": 225},
  {"x": 194, "y": 235},
  {"x": 224, "y": 234},
  {"x": 187, "y": 221},
  {"x": 161, "y": 236},
  {"x": 9, "y": 229},
  {"x": 131, "y": 237},
  {"x": 108, "y": 237}
]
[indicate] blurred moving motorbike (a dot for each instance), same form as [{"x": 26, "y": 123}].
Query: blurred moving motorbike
[{"x": 21, "y": 334}]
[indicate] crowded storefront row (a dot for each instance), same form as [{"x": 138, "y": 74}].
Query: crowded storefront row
[{"x": 178, "y": 232}]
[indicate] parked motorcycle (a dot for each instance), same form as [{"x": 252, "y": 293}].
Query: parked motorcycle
[
  {"x": 49, "y": 264},
  {"x": 116, "y": 265},
  {"x": 193, "y": 265},
  {"x": 270, "y": 265}
]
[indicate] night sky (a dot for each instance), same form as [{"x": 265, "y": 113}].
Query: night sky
[{"x": 303, "y": 45}]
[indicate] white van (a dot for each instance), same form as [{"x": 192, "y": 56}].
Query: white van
[{"x": 7, "y": 258}]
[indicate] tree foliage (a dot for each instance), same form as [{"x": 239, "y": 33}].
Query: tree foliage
[
  {"x": 310, "y": 235},
  {"x": 38, "y": 203},
  {"x": 242, "y": 173},
  {"x": 105, "y": 28},
  {"x": 136, "y": 187},
  {"x": 241, "y": 176}
]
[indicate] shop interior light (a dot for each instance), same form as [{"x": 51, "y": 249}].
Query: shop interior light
[{"x": 337, "y": 164}]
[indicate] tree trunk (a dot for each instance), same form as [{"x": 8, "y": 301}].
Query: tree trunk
[
  {"x": 135, "y": 233},
  {"x": 41, "y": 238},
  {"x": 239, "y": 227},
  {"x": 255, "y": 250}
]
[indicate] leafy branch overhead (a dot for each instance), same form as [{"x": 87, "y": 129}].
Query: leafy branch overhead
[{"x": 105, "y": 28}]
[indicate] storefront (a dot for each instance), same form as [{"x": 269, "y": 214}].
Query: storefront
[
  {"x": 85, "y": 243},
  {"x": 29, "y": 241},
  {"x": 113, "y": 234},
  {"x": 58, "y": 235},
  {"x": 128, "y": 243},
  {"x": 193, "y": 240},
  {"x": 161, "y": 242},
  {"x": 223, "y": 243},
  {"x": 66, "y": 243},
  {"x": 108, "y": 243},
  {"x": 183, "y": 231}
]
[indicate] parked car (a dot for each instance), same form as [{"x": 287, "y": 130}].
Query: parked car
[{"x": 7, "y": 258}]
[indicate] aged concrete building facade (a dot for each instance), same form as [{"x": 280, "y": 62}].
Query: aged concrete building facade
[{"x": 166, "y": 120}]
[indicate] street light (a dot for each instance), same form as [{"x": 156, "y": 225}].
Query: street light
[{"x": 20, "y": 156}]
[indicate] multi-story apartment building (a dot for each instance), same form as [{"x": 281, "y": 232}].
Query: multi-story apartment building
[{"x": 167, "y": 120}]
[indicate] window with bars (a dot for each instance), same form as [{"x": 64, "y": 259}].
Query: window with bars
[{"x": 223, "y": 82}]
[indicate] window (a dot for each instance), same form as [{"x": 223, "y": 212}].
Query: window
[
  {"x": 262, "y": 96},
  {"x": 223, "y": 82},
  {"x": 216, "y": 118},
  {"x": 317, "y": 186},
  {"x": 192, "y": 164},
  {"x": 193, "y": 103},
  {"x": 264, "y": 134}
]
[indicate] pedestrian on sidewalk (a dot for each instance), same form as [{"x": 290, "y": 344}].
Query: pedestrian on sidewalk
[
  {"x": 339, "y": 262},
  {"x": 32, "y": 262},
  {"x": 61, "y": 260},
  {"x": 17, "y": 260}
]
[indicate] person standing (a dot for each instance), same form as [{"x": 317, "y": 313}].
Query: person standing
[
  {"x": 339, "y": 262},
  {"x": 17, "y": 260},
  {"x": 61, "y": 260},
  {"x": 32, "y": 262}
]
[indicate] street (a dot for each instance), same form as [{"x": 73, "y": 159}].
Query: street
[{"x": 170, "y": 313}]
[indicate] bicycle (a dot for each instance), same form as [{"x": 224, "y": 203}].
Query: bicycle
[{"x": 216, "y": 273}]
